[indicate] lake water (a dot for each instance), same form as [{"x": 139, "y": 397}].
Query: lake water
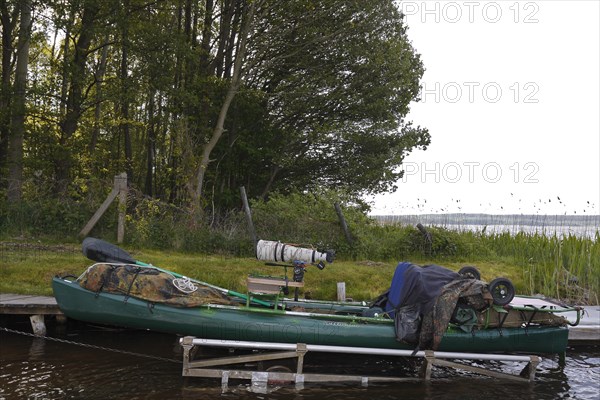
[
  {"x": 549, "y": 225},
  {"x": 35, "y": 368}
]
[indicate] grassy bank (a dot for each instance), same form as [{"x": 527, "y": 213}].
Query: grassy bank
[
  {"x": 217, "y": 247},
  {"x": 28, "y": 268}
]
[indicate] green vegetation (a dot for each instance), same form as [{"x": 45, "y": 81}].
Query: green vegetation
[
  {"x": 194, "y": 98},
  {"x": 28, "y": 269},
  {"x": 302, "y": 103},
  {"x": 218, "y": 249}
]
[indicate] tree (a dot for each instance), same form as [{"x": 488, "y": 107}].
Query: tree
[
  {"x": 17, "y": 127},
  {"x": 339, "y": 86},
  {"x": 76, "y": 83},
  {"x": 234, "y": 86},
  {"x": 195, "y": 98},
  {"x": 9, "y": 17}
]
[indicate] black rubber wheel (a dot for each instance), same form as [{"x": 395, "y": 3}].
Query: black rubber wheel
[
  {"x": 470, "y": 272},
  {"x": 502, "y": 290}
]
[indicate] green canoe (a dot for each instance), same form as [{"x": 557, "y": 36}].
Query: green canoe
[{"x": 316, "y": 323}]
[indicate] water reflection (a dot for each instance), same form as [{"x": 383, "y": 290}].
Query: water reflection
[{"x": 36, "y": 368}]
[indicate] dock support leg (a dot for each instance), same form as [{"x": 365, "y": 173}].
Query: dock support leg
[
  {"x": 187, "y": 343},
  {"x": 530, "y": 369},
  {"x": 301, "y": 351},
  {"x": 38, "y": 325},
  {"x": 224, "y": 381},
  {"x": 562, "y": 359},
  {"x": 427, "y": 365}
]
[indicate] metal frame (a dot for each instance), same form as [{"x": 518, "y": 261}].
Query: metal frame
[{"x": 277, "y": 351}]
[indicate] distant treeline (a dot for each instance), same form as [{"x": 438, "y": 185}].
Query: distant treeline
[{"x": 514, "y": 220}]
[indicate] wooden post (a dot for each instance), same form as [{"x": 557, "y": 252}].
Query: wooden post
[
  {"x": 427, "y": 237},
  {"x": 119, "y": 189},
  {"x": 38, "y": 325},
  {"x": 248, "y": 215},
  {"x": 338, "y": 210},
  {"x": 341, "y": 291},
  {"x": 427, "y": 365},
  {"x": 121, "y": 182}
]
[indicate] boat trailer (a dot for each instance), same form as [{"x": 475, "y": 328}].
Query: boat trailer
[{"x": 211, "y": 368}]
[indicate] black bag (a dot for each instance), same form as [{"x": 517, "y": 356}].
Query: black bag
[{"x": 407, "y": 321}]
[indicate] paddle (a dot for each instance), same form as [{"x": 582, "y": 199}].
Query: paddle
[{"x": 101, "y": 251}]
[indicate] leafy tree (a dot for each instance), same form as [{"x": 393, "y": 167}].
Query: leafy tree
[
  {"x": 17, "y": 105},
  {"x": 339, "y": 77},
  {"x": 194, "y": 98}
]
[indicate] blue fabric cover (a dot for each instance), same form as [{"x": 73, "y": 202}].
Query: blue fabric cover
[
  {"x": 394, "y": 299},
  {"x": 412, "y": 284}
]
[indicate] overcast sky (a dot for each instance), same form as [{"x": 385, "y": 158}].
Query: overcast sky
[{"x": 511, "y": 97}]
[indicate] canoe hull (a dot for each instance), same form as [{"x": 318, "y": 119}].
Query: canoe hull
[{"x": 240, "y": 323}]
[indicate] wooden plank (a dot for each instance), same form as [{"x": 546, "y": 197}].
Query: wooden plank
[
  {"x": 478, "y": 370},
  {"x": 275, "y": 282},
  {"x": 292, "y": 377},
  {"x": 109, "y": 199},
  {"x": 264, "y": 289},
  {"x": 24, "y": 300},
  {"x": 270, "y": 285},
  {"x": 13, "y": 310},
  {"x": 9, "y": 297},
  {"x": 584, "y": 333},
  {"x": 18, "y": 304},
  {"x": 242, "y": 359}
]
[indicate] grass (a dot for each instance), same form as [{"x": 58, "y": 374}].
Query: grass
[
  {"x": 29, "y": 270},
  {"x": 563, "y": 267}
]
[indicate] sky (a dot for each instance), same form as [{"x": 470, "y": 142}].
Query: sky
[{"x": 511, "y": 98}]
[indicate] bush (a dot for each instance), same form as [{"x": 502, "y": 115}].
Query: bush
[{"x": 561, "y": 266}]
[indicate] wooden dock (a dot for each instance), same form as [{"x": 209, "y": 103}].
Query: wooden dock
[
  {"x": 588, "y": 329},
  {"x": 29, "y": 305},
  {"x": 37, "y": 307}
]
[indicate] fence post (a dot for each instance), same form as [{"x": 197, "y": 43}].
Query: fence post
[
  {"x": 248, "y": 215},
  {"x": 119, "y": 189},
  {"x": 121, "y": 182},
  {"x": 338, "y": 210},
  {"x": 427, "y": 237},
  {"x": 341, "y": 291}
]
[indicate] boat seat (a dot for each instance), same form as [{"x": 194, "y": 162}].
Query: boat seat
[{"x": 269, "y": 285}]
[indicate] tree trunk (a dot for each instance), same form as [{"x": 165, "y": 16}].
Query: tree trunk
[
  {"x": 231, "y": 92},
  {"x": 206, "y": 37},
  {"x": 269, "y": 184},
  {"x": 74, "y": 107},
  {"x": 231, "y": 43},
  {"x": 125, "y": 93},
  {"x": 98, "y": 109},
  {"x": 66, "y": 65},
  {"x": 15, "y": 146},
  {"x": 227, "y": 12},
  {"x": 8, "y": 24},
  {"x": 150, "y": 145}
]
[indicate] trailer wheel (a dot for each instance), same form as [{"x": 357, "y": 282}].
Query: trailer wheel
[
  {"x": 502, "y": 290},
  {"x": 470, "y": 272}
]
